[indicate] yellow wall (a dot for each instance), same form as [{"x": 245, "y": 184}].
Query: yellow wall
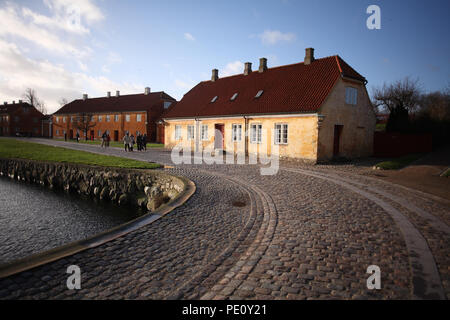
[
  {"x": 358, "y": 123},
  {"x": 302, "y": 135}
]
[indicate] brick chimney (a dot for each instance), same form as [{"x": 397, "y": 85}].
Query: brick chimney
[
  {"x": 14, "y": 102},
  {"x": 85, "y": 96},
  {"x": 5, "y": 103},
  {"x": 20, "y": 101},
  {"x": 215, "y": 75},
  {"x": 117, "y": 93},
  {"x": 248, "y": 68},
  {"x": 108, "y": 94},
  {"x": 309, "y": 56},
  {"x": 147, "y": 91},
  {"x": 262, "y": 65}
]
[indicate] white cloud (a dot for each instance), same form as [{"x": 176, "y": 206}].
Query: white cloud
[
  {"x": 187, "y": 85},
  {"x": 189, "y": 36},
  {"x": 232, "y": 68},
  {"x": 271, "y": 37},
  {"x": 81, "y": 9},
  {"x": 51, "y": 81},
  {"x": 13, "y": 24}
]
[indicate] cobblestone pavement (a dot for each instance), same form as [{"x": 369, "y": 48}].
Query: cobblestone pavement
[{"x": 309, "y": 232}]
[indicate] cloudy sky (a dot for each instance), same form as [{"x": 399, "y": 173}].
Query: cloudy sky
[{"x": 64, "y": 48}]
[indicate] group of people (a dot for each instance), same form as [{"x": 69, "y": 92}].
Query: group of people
[
  {"x": 129, "y": 141},
  {"x": 105, "y": 140}
]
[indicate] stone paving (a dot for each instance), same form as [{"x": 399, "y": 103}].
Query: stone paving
[{"x": 309, "y": 232}]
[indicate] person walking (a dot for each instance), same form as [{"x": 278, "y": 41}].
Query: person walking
[
  {"x": 144, "y": 142},
  {"x": 78, "y": 137},
  {"x": 139, "y": 142},
  {"x": 132, "y": 141},
  {"x": 126, "y": 142},
  {"x": 104, "y": 139},
  {"x": 108, "y": 139}
]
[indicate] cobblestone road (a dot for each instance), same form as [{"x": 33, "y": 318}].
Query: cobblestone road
[{"x": 309, "y": 232}]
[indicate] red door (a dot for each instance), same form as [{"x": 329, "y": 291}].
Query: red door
[{"x": 337, "y": 139}]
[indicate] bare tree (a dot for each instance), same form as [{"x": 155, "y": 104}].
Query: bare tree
[
  {"x": 84, "y": 123},
  {"x": 400, "y": 98},
  {"x": 31, "y": 97}
]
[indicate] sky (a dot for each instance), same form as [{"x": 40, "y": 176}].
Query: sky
[{"x": 64, "y": 48}]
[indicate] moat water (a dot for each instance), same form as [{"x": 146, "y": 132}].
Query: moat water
[{"x": 34, "y": 219}]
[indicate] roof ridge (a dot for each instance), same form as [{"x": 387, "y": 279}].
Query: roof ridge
[{"x": 268, "y": 69}]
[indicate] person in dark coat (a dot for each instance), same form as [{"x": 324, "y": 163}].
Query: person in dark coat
[
  {"x": 139, "y": 142},
  {"x": 144, "y": 142}
]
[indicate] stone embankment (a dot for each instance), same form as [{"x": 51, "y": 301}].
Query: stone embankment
[{"x": 147, "y": 189}]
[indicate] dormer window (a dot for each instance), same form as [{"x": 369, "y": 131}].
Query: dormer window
[
  {"x": 234, "y": 96},
  {"x": 214, "y": 99},
  {"x": 260, "y": 92}
]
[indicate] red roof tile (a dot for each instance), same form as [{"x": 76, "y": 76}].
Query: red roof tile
[
  {"x": 287, "y": 89},
  {"x": 130, "y": 102}
]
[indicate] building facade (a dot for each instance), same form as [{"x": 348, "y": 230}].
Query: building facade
[
  {"x": 115, "y": 115},
  {"x": 20, "y": 119},
  {"x": 314, "y": 110}
]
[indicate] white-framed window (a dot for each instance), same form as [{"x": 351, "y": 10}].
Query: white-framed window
[
  {"x": 127, "y": 118},
  {"x": 256, "y": 133},
  {"x": 351, "y": 95},
  {"x": 57, "y": 132},
  {"x": 99, "y": 133},
  {"x": 236, "y": 132},
  {"x": 281, "y": 133},
  {"x": 100, "y": 118},
  {"x": 116, "y": 118},
  {"x": 139, "y": 117},
  {"x": 71, "y": 118},
  {"x": 92, "y": 119},
  {"x": 108, "y": 118},
  {"x": 57, "y": 119},
  {"x": 190, "y": 132},
  {"x": 177, "y": 132},
  {"x": 204, "y": 132},
  {"x": 64, "y": 119}
]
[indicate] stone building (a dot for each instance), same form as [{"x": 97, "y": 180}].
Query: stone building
[
  {"x": 20, "y": 119},
  {"x": 315, "y": 110},
  {"x": 116, "y": 115}
]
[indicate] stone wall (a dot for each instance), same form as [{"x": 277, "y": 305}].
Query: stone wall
[{"x": 148, "y": 189}]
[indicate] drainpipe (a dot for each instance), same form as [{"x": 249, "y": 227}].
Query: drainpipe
[
  {"x": 197, "y": 135},
  {"x": 246, "y": 136}
]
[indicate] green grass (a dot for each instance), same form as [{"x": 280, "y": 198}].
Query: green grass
[
  {"x": 117, "y": 144},
  {"x": 380, "y": 127},
  {"x": 16, "y": 149},
  {"x": 399, "y": 163}
]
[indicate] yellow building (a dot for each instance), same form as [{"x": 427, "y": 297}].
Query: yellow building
[{"x": 313, "y": 110}]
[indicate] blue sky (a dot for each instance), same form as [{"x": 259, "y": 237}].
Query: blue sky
[{"x": 62, "y": 50}]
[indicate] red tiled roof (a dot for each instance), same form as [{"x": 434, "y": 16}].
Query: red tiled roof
[
  {"x": 130, "y": 102},
  {"x": 287, "y": 89}
]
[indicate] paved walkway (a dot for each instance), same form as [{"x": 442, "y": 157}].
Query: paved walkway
[{"x": 309, "y": 232}]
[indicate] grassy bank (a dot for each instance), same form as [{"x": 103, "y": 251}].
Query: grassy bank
[
  {"x": 16, "y": 149},
  {"x": 398, "y": 163},
  {"x": 117, "y": 144}
]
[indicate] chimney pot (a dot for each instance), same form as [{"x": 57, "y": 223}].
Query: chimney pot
[
  {"x": 108, "y": 94},
  {"x": 14, "y": 101},
  {"x": 5, "y": 103},
  {"x": 262, "y": 64},
  {"x": 20, "y": 101},
  {"x": 117, "y": 93},
  {"x": 147, "y": 91},
  {"x": 215, "y": 75},
  {"x": 248, "y": 68},
  {"x": 309, "y": 56},
  {"x": 85, "y": 96}
]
